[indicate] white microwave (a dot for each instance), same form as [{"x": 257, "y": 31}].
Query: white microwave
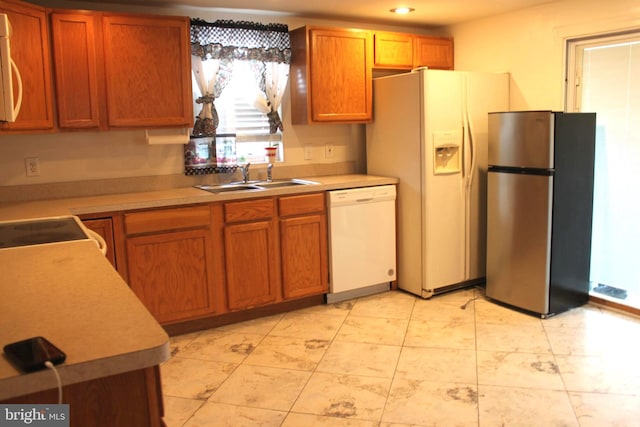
[{"x": 9, "y": 108}]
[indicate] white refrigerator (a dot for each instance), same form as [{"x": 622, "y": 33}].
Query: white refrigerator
[{"x": 430, "y": 130}]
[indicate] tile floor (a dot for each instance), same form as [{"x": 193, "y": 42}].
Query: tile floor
[{"x": 396, "y": 360}]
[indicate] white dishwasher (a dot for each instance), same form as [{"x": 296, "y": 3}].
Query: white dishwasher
[{"x": 362, "y": 241}]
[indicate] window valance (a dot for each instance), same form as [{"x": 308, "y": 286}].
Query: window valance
[{"x": 240, "y": 40}]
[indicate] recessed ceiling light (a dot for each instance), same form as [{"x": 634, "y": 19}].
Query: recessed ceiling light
[{"x": 402, "y": 10}]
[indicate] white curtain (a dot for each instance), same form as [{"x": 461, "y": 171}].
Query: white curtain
[
  {"x": 205, "y": 82},
  {"x": 272, "y": 80},
  {"x": 211, "y": 77}
]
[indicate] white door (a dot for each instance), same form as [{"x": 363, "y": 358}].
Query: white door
[{"x": 604, "y": 76}]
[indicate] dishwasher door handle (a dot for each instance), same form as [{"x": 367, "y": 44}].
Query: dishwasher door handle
[{"x": 368, "y": 199}]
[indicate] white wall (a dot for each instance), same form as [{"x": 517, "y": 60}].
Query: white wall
[
  {"x": 530, "y": 44},
  {"x": 78, "y": 156}
]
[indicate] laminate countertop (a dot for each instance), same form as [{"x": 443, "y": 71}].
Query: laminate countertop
[
  {"x": 71, "y": 295},
  {"x": 173, "y": 197}
]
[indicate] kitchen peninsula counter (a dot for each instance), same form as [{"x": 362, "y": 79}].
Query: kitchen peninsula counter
[
  {"x": 70, "y": 294},
  {"x": 173, "y": 197}
]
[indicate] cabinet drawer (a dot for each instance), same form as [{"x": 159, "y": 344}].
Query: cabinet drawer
[
  {"x": 248, "y": 210},
  {"x": 301, "y": 204},
  {"x": 167, "y": 219}
]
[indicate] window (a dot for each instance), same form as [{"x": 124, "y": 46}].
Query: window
[
  {"x": 603, "y": 76},
  {"x": 238, "y": 115},
  {"x": 240, "y": 71}
]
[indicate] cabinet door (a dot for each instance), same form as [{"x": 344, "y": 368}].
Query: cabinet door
[
  {"x": 251, "y": 262},
  {"x": 304, "y": 255},
  {"x": 76, "y": 72},
  {"x": 30, "y": 51},
  {"x": 132, "y": 398},
  {"x": 392, "y": 50},
  {"x": 340, "y": 75},
  {"x": 104, "y": 227},
  {"x": 433, "y": 52},
  {"x": 148, "y": 70},
  {"x": 172, "y": 273},
  {"x": 332, "y": 75}
]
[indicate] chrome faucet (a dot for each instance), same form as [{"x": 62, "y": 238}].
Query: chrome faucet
[
  {"x": 245, "y": 172},
  {"x": 269, "y": 170}
]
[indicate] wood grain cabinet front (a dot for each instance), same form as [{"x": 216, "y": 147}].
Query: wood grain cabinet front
[
  {"x": 392, "y": 50},
  {"x": 303, "y": 236},
  {"x": 104, "y": 228},
  {"x": 251, "y": 252},
  {"x": 121, "y": 70},
  {"x": 76, "y": 67},
  {"x": 402, "y": 51},
  {"x": 131, "y": 398},
  {"x": 433, "y": 52},
  {"x": 170, "y": 262},
  {"x": 331, "y": 75},
  {"x": 30, "y": 52}
]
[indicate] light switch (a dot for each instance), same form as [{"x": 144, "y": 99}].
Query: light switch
[{"x": 308, "y": 152}]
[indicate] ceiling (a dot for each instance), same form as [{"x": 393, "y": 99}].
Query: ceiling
[{"x": 427, "y": 12}]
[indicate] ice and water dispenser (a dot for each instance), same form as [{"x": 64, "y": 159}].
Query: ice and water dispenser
[{"x": 446, "y": 152}]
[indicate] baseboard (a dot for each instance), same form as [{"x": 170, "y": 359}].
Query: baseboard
[{"x": 614, "y": 305}]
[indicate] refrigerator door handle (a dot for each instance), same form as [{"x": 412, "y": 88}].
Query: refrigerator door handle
[{"x": 469, "y": 156}]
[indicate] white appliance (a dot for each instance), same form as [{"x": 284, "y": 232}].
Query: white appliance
[
  {"x": 430, "y": 131},
  {"x": 362, "y": 241},
  {"x": 8, "y": 109}
]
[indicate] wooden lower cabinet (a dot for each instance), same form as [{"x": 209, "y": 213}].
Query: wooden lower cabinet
[
  {"x": 251, "y": 254},
  {"x": 201, "y": 261},
  {"x": 303, "y": 240},
  {"x": 251, "y": 264},
  {"x": 129, "y": 399},
  {"x": 170, "y": 269},
  {"x": 304, "y": 255},
  {"x": 104, "y": 227}
]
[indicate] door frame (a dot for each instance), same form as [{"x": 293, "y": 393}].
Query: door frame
[{"x": 574, "y": 53}]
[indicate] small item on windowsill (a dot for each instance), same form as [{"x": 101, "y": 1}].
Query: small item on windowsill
[{"x": 270, "y": 156}]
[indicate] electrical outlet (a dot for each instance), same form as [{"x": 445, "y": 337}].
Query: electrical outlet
[
  {"x": 328, "y": 151},
  {"x": 32, "y": 166},
  {"x": 308, "y": 152}
]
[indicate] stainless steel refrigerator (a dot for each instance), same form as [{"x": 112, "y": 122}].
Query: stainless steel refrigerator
[
  {"x": 430, "y": 131},
  {"x": 539, "y": 209}
]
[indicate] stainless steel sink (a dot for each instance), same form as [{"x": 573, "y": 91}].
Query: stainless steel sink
[
  {"x": 254, "y": 185},
  {"x": 226, "y": 188},
  {"x": 285, "y": 183}
]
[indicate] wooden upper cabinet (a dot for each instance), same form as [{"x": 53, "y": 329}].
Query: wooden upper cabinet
[
  {"x": 76, "y": 69},
  {"x": 122, "y": 70},
  {"x": 401, "y": 51},
  {"x": 148, "y": 70},
  {"x": 30, "y": 51},
  {"x": 392, "y": 50},
  {"x": 433, "y": 52},
  {"x": 331, "y": 75}
]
